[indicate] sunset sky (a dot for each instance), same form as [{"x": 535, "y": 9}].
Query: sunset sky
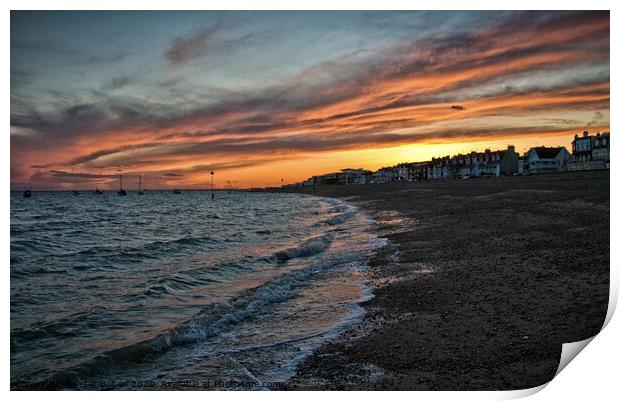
[{"x": 260, "y": 96}]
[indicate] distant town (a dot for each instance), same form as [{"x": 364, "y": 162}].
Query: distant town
[{"x": 589, "y": 152}]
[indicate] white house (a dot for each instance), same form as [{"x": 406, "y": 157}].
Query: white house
[{"x": 543, "y": 159}]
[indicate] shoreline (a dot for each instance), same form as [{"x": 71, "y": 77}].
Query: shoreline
[{"x": 480, "y": 283}]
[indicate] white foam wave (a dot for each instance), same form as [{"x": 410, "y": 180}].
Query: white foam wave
[{"x": 311, "y": 247}]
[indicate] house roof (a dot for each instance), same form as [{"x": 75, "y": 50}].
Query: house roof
[{"x": 547, "y": 153}]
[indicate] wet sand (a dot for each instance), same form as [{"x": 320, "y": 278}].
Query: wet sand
[{"x": 481, "y": 283}]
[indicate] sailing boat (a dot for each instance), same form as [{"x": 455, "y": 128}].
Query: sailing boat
[
  {"x": 140, "y": 192},
  {"x": 121, "y": 191}
]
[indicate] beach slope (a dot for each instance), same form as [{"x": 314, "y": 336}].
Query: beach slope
[{"x": 481, "y": 283}]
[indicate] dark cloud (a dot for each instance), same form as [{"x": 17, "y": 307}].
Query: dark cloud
[
  {"x": 563, "y": 121},
  {"x": 68, "y": 174},
  {"x": 457, "y": 107},
  {"x": 189, "y": 47},
  {"x": 105, "y": 152},
  {"x": 596, "y": 119},
  {"x": 117, "y": 83},
  {"x": 223, "y": 166},
  {"x": 105, "y": 114}
]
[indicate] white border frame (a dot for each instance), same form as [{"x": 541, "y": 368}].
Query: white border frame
[{"x": 592, "y": 374}]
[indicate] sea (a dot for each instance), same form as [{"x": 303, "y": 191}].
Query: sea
[{"x": 180, "y": 291}]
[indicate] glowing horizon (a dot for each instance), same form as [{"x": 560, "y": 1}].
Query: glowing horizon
[{"x": 263, "y": 96}]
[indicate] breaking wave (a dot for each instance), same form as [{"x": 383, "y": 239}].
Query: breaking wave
[{"x": 311, "y": 247}]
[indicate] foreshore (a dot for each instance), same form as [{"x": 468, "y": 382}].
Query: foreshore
[{"x": 480, "y": 284}]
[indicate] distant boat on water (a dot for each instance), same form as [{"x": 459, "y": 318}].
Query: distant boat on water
[
  {"x": 140, "y": 192},
  {"x": 28, "y": 193},
  {"x": 75, "y": 193},
  {"x": 176, "y": 191},
  {"x": 98, "y": 192},
  {"x": 121, "y": 191}
]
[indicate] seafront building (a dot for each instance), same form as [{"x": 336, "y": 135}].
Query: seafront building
[
  {"x": 347, "y": 176},
  {"x": 384, "y": 174},
  {"x": 476, "y": 164},
  {"x": 350, "y": 176},
  {"x": 589, "y": 152}
]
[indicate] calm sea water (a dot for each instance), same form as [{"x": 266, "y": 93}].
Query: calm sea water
[{"x": 169, "y": 291}]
